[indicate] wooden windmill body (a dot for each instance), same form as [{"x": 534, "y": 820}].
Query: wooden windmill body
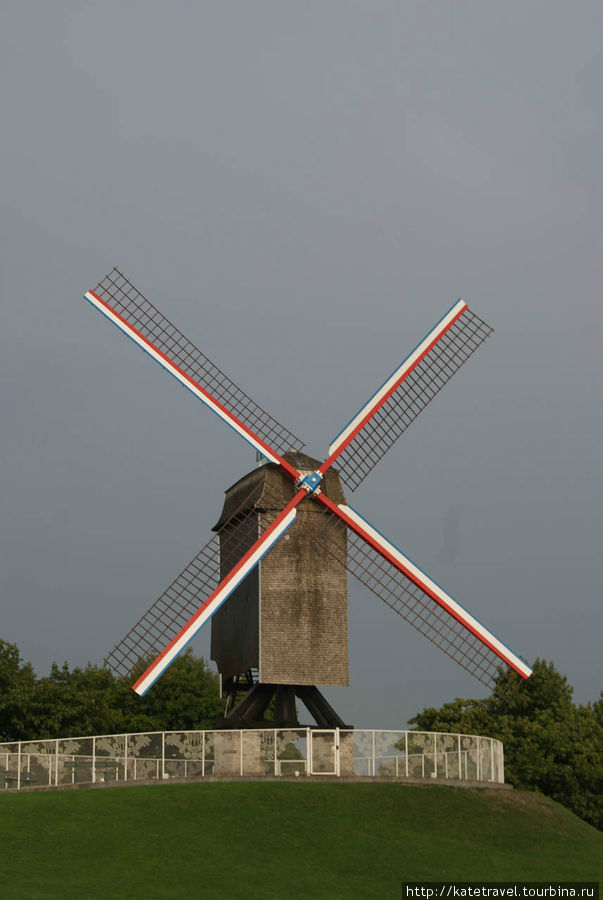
[{"x": 286, "y": 624}]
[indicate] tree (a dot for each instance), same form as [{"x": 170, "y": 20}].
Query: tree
[
  {"x": 68, "y": 703},
  {"x": 16, "y": 681},
  {"x": 550, "y": 744},
  {"x": 91, "y": 700}
]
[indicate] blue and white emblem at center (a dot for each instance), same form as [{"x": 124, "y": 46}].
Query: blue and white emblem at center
[{"x": 310, "y": 482}]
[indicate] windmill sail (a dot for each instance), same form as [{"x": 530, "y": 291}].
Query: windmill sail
[
  {"x": 168, "y": 615},
  {"x": 236, "y": 576},
  {"x": 117, "y": 297},
  {"x": 406, "y": 393},
  {"x": 390, "y": 575},
  {"x": 164, "y": 619}
]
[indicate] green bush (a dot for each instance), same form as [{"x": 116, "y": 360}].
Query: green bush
[
  {"x": 551, "y": 745},
  {"x": 91, "y": 700}
]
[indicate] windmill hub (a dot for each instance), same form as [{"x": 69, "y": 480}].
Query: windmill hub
[{"x": 310, "y": 482}]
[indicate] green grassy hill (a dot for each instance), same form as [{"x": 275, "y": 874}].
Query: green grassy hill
[{"x": 282, "y": 840}]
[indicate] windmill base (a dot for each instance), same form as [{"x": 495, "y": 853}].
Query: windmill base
[{"x": 249, "y": 711}]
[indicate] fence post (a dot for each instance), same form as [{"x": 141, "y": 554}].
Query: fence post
[
  {"x": 309, "y": 765},
  {"x": 19, "y": 766},
  {"x": 491, "y": 759},
  {"x": 56, "y": 762},
  {"x": 458, "y": 738},
  {"x": 275, "y": 753},
  {"x": 373, "y": 753},
  {"x": 163, "y": 754},
  {"x": 203, "y": 754},
  {"x": 337, "y": 752},
  {"x": 94, "y": 760},
  {"x": 241, "y": 750},
  {"x": 435, "y": 754},
  {"x": 126, "y": 758}
]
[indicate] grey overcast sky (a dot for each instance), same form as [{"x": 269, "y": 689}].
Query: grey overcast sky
[{"x": 304, "y": 189}]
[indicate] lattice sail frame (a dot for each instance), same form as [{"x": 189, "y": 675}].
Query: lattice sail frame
[
  {"x": 414, "y": 605},
  {"x": 128, "y": 302},
  {"x": 425, "y": 380},
  {"x": 174, "y": 608}
]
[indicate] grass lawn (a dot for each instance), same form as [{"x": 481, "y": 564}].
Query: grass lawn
[{"x": 282, "y": 840}]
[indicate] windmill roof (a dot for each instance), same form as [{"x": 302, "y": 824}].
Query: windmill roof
[{"x": 266, "y": 487}]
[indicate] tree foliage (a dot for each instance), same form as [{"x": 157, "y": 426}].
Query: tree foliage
[
  {"x": 91, "y": 700},
  {"x": 16, "y": 682},
  {"x": 551, "y": 745}
]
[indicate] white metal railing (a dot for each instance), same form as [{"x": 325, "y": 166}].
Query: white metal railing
[{"x": 253, "y": 753}]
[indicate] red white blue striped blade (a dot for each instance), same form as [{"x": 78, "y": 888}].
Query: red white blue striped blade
[
  {"x": 228, "y": 584},
  {"x": 393, "y": 577},
  {"x": 117, "y": 299},
  {"x": 383, "y": 419},
  {"x": 172, "y": 610},
  {"x": 169, "y": 613}
]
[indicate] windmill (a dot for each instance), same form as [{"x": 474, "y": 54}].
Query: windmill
[{"x": 274, "y": 576}]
